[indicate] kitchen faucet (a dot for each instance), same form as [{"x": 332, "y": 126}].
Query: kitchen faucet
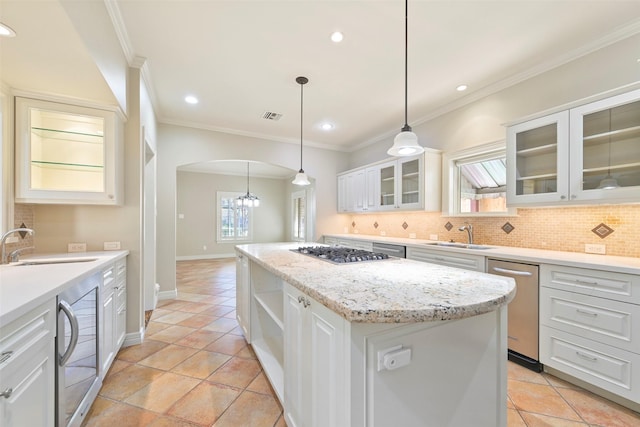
[
  {"x": 3, "y": 240},
  {"x": 469, "y": 228}
]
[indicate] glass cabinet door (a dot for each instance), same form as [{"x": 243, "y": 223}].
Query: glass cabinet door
[
  {"x": 537, "y": 159},
  {"x": 387, "y": 181},
  {"x": 409, "y": 181},
  {"x": 605, "y": 149},
  {"x": 66, "y": 154}
]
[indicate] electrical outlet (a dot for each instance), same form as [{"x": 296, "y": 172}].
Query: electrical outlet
[
  {"x": 77, "y": 247},
  {"x": 595, "y": 249},
  {"x": 433, "y": 237},
  {"x": 111, "y": 246}
]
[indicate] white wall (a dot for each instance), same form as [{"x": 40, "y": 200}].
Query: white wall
[
  {"x": 482, "y": 121},
  {"x": 180, "y": 146},
  {"x": 196, "y": 202}
]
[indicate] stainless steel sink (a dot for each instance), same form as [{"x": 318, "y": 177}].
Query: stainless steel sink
[
  {"x": 47, "y": 261},
  {"x": 458, "y": 245}
]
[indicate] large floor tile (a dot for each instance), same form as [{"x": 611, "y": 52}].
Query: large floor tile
[
  {"x": 228, "y": 344},
  {"x": 598, "y": 411},
  {"x": 124, "y": 383},
  {"x": 168, "y": 357},
  {"x": 237, "y": 372},
  {"x": 540, "y": 399},
  {"x": 162, "y": 393},
  {"x": 205, "y": 403},
  {"x": 108, "y": 413},
  {"x": 539, "y": 420},
  {"x": 251, "y": 409},
  {"x": 172, "y": 333},
  {"x": 202, "y": 364},
  {"x": 199, "y": 339}
]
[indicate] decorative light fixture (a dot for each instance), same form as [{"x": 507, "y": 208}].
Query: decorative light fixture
[
  {"x": 6, "y": 31},
  {"x": 406, "y": 142},
  {"x": 608, "y": 182},
  {"x": 301, "y": 177},
  {"x": 250, "y": 200}
]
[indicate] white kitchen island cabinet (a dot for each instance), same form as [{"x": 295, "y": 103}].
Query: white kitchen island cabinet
[{"x": 379, "y": 343}]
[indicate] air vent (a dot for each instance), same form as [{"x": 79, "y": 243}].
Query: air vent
[{"x": 269, "y": 115}]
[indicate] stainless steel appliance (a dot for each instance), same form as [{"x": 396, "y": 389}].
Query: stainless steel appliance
[
  {"x": 340, "y": 254},
  {"x": 391, "y": 250},
  {"x": 523, "y": 311},
  {"x": 77, "y": 379}
]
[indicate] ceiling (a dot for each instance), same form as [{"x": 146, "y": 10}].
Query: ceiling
[{"x": 241, "y": 58}]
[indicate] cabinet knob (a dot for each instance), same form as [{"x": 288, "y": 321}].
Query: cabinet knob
[
  {"x": 6, "y": 355},
  {"x": 7, "y": 393},
  {"x": 300, "y": 299},
  {"x": 563, "y": 197},
  {"x": 573, "y": 196}
]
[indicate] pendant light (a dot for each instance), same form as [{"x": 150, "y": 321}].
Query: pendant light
[
  {"x": 406, "y": 142},
  {"x": 301, "y": 177},
  {"x": 249, "y": 200},
  {"x": 608, "y": 182}
]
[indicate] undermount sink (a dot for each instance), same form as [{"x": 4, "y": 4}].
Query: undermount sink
[
  {"x": 458, "y": 245},
  {"x": 47, "y": 261}
]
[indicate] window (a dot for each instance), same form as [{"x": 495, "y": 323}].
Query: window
[
  {"x": 299, "y": 216},
  {"x": 477, "y": 181},
  {"x": 234, "y": 222}
]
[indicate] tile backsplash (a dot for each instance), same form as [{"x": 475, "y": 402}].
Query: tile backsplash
[
  {"x": 563, "y": 229},
  {"x": 22, "y": 214}
]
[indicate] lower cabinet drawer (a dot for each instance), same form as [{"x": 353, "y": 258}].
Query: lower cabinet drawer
[
  {"x": 606, "y": 321},
  {"x": 609, "y": 368}
]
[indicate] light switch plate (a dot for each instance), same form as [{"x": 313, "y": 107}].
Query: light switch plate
[
  {"x": 77, "y": 247},
  {"x": 111, "y": 246},
  {"x": 595, "y": 249}
]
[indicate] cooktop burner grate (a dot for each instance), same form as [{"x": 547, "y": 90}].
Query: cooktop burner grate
[{"x": 341, "y": 255}]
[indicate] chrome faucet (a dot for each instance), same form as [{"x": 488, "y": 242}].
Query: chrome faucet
[
  {"x": 469, "y": 228},
  {"x": 3, "y": 240}
]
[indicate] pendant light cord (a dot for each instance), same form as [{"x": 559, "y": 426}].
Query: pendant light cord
[
  {"x": 406, "y": 60},
  {"x": 301, "y": 114},
  {"x": 247, "y": 178}
]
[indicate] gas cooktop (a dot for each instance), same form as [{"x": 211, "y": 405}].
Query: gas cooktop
[{"x": 340, "y": 255}]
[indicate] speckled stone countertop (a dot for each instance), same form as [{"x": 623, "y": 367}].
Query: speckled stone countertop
[{"x": 386, "y": 291}]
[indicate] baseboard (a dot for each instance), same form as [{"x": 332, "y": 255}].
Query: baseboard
[
  {"x": 210, "y": 256},
  {"x": 162, "y": 295},
  {"x": 134, "y": 338}
]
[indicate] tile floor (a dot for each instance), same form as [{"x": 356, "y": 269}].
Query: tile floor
[{"x": 195, "y": 369}]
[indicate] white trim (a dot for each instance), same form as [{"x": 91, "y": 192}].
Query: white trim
[
  {"x": 211, "y": 256},
  {"x": 133, "y": 338},
  {"x": 163, "y": 295}
]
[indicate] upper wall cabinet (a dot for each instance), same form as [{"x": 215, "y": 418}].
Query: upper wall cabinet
[
  {"x": 67, "y": 154},
  {"x": 411, "y": 183},
  {"x": 588, "y": 154}
]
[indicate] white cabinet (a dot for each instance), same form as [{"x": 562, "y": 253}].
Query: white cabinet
[
  {"x": 401, "y": 184},
  {"x": 114, "y": 313},
  {"x": 27, "y": 369},
  {"x": 314, "y": 363},
  {"x": 451, "y": 259},
  {"x": 67, "y": 154},
  {"x": 573, "y": 155},
  {"x": 243, "y": 295},
  {"x": 588, "y": 327}
]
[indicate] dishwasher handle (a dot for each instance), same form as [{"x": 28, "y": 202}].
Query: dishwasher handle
[{"x": 511, "y": 272}]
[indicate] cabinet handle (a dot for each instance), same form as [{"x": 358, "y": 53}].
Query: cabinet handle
[
  {"x": 6, "y": 355},
  {"x": 307, "y": 303},
  {"x": 512, "y": 272},
  {"x": 300, "y": 299},
  {"x": 7, "y": 393},
  {"x": 586, "y": 313},
  {"x": 586, "y": 357},
  {"x": 587, "y": 282}
]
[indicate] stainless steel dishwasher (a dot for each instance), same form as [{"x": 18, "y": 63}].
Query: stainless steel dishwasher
[{"x": 522, "y": 311}]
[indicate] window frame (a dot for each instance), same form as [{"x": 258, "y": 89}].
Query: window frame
[
  {"x": 301, "y": 194},
  {"x": 235, "y": 239},
  {"x": 451, "y": 178}
]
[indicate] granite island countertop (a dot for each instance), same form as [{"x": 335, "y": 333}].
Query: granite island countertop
[{"x": 386, "y": 291}]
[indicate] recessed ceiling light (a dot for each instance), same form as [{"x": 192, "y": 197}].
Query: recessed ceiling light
[
  {"x": 190, "y": 99},
  {"x": 337, "y": 37},
  {"x": 326, "y": 126},
  {"x": 6, "y": 31},
  {"x": 461, "y": 88}
]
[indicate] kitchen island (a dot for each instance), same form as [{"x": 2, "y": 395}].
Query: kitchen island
[{"x": 375, "y": 343}]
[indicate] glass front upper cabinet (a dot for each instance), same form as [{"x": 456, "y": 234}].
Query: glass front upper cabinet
[
  {"x": 387, "y": 183},
  {"x": 605, "y": 139},
  {"x": 587, "y": 154},
  {"x": 65, "y": 154},
  {"x": 537, "y": 160}
]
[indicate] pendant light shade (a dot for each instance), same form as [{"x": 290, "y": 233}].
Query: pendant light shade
[
  {"x": 406, "y": 142},
  {"x": 250, "y": 200},
  {"x": 301, "y": 177}
]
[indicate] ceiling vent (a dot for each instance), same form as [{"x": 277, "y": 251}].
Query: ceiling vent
[{"x": 269, "y": 115}]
